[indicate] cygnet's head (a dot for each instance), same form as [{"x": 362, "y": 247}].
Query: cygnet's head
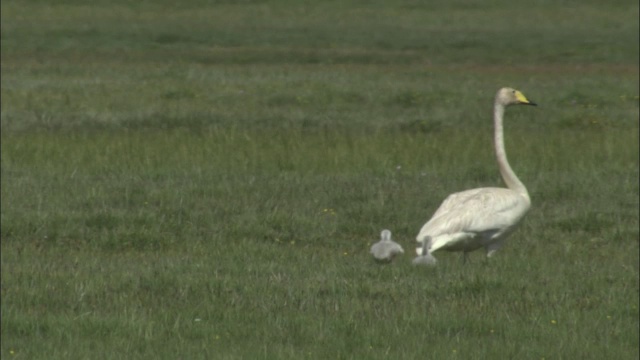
[{"x": 385, "y": 235}]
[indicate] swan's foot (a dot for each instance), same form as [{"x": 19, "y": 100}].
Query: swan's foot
[{"x": 492, "y": 248}]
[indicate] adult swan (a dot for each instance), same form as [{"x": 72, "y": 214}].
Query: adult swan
[{"x": 483, "y": 217}]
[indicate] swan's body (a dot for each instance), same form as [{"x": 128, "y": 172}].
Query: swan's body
[
  {"x": 386, "y": 249},
  {"x": 483, "y": 217}
]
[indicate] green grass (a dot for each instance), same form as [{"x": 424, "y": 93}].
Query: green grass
[{"x": 200, "y": 180}]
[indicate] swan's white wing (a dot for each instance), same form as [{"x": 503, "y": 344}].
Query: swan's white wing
[
  {"x": 454, "y": 200},
  {"x": 485, "y": 211}
]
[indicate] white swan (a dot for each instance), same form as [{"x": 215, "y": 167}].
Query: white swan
[
  {"x": 482, "y": 217},
  {"x": 386, "y": 249}
]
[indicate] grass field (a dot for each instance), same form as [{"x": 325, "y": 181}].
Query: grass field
[{"x": 203, "y": 180}]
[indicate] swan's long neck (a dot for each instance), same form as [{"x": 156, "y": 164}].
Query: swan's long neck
[{"x": 507, "y": 173}]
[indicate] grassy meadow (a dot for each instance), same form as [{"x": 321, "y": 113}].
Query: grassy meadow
[{"x": 203, "y": 179}]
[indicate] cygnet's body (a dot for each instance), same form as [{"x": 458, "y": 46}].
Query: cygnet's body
[
  {"x": 425, "y": 259},
  {"x": 386, "y": 249}
]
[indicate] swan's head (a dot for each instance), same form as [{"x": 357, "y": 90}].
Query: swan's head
[
  {"x": 385, "y": 235},
  {"x": 508, "y": 96}
]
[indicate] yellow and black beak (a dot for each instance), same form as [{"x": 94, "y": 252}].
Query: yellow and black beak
[{"x": 523, "y": 99}]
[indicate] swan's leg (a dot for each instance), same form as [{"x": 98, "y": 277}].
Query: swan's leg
[{"x": 492, "y": 248}]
